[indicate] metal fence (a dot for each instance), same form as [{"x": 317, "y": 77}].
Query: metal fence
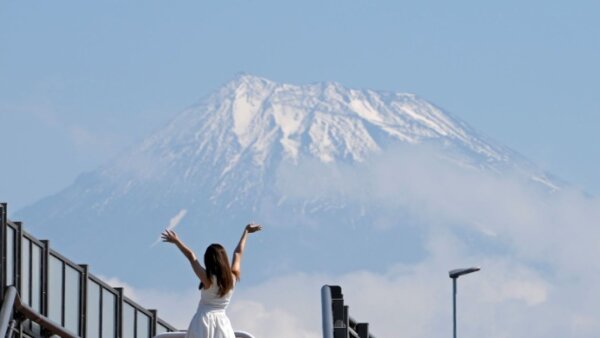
[{"x": 65, "y": 292}]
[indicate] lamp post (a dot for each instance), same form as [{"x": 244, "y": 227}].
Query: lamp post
[{"x": 454, "y": 274}]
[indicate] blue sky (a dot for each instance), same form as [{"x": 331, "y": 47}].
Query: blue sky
[{"x": 80, "y": 82}]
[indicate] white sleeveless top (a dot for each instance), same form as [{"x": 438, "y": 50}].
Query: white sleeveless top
[{"x": 210, "y": 299}]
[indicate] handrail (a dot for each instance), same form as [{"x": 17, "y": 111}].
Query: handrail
[
  {"x": 12, "y": 296},
  {"x": 326, "y": 312},
  {"x": 6, "y": 310},
  {"x": 181, "y": 334},
  {"x": 243, "y": 334}
]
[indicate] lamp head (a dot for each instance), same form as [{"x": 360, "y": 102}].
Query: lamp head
[{"x": 459, "y": 272}]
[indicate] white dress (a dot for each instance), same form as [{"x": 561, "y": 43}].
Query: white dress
[{"x": 210, "y": 320}]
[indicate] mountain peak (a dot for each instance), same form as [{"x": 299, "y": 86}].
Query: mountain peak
[{"x": 242, "y": 78}]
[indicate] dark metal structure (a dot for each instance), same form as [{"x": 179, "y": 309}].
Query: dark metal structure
[
  {"x": 454, "y": 274},
  {"x": 337, "y": 323},
  {"x": 44, "y": 294}
]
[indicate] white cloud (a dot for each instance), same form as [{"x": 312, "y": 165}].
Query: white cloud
[
  {"x": 173, "y": 222},
  {"x": 264, "y": 320},
  {"x": 555, "y": 228}
]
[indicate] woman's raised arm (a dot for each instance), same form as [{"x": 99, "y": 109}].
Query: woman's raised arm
[
  {"x": 170, "y": 236},
  {"x": 239, "y": 250}
]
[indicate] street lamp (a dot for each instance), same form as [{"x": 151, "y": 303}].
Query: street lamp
[{"x": 454, "y": 274}]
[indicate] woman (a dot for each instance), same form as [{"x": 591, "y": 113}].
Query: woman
[{"x": 217, "y": 279}]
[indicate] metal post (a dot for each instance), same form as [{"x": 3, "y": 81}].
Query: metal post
[
  {"x": 454, "y": 274},
  {"x": 363, "y": 330},
  {"x": 84, "y": 299},
  {"x": 120, "y": 295},
  {"x": 327, "y": 312},
  {"x": 154, "y": 320},
  {"x": 454, "y": 304},
  {"x": 3, "y": 268}
]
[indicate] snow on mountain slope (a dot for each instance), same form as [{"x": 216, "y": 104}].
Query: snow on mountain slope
[{"x": 251, "y": 124}]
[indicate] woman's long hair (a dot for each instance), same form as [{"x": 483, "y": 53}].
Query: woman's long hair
[{"x": 217, "y": 264}]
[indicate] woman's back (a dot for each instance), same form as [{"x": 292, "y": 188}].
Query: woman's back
[{"x": 210, "y": 299}]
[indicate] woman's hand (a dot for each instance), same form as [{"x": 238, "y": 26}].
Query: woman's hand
[
  {"x": 252, "y": 227},
  {"x": 169, "y": 236}
]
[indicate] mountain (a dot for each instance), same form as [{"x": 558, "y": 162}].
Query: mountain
[{"x": 294, "y": 157}]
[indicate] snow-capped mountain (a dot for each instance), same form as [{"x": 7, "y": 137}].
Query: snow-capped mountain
[
  {"x": 232, "y": 140},
  {"x": 232, "y": 157}
]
